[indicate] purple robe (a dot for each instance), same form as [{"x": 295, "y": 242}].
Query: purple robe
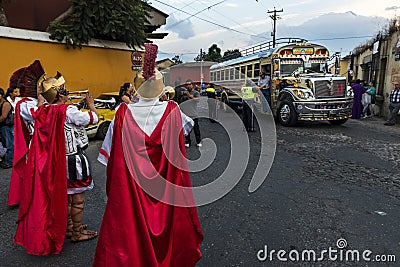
[{"x": 358, "y": 90}]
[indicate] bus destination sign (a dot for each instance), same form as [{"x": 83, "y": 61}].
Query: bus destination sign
[{"x": 303, "y": 51}]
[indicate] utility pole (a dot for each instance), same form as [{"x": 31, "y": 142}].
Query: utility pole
[
  {"x": 274, "y": 17},
  {"x": 201, "y": 67}
]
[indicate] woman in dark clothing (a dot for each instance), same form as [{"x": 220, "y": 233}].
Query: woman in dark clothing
[
  {"x": 126, "y": 94},
  {"x": 358, "y": 90},
  {"x": 6, "y": 130}
]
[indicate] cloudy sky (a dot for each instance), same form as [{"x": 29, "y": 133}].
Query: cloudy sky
[{"x": 341, "y": 25}]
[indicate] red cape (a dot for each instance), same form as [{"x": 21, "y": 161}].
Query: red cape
[
  {"x": 21, "y": 147},
  {"x": 138, "y": 230},
  {"x": 43, "y": 208}
]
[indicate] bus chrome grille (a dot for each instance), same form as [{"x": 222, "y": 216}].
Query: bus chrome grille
[{"x": 330, "y": 89}]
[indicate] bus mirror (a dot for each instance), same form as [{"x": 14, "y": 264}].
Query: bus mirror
[{"x": 276, "y": 64}]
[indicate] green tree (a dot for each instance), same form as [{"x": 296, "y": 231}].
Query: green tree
[
  {"x": 231, "y": 54},
  {"x": 177, "y": 59},
  {"x": 116, "y": 20},
  {"x": 201, "y": 56},
  {"x": 214, "y": 54}
]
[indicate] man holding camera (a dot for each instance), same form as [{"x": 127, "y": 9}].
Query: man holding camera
[{"x": 190, "y": 99}]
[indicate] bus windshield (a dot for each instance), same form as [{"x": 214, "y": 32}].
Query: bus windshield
[
  {"x": 315, "y": 67},
  {"x": 288, "y": 69}
]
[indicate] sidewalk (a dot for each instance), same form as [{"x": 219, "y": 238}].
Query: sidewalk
[{"x": 376, "y": 123}]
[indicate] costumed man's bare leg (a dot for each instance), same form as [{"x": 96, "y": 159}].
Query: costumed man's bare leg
[
  {"x": 78, "y": 231},
  {"x": 69, "y": 222}
]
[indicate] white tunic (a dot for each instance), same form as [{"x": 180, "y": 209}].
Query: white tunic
[
  {"x": 13, "y": 103},
  {"x": 147, "y": 114},
  {"x": 74, "y": 118}
]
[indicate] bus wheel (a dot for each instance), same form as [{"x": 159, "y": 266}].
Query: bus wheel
[
  {"x": 287, "y": 116},
  {"x": 102, "y": 130},
  {"x": 338, "y": 122}
]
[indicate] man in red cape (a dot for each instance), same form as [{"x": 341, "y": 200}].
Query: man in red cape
[
  {"x": 44, "y": 192},
  {"x": 43, "y": 210},
  {"x": 141, "y": 225}
]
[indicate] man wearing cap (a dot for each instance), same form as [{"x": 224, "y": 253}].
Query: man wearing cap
[
  {"x": 60, "y": 172},
  {"x": 189, "y": 107},
  {"x": 212, "y": 103},
  {"x": 150, "y": 217},
  {"x": 394, "y": 105}
]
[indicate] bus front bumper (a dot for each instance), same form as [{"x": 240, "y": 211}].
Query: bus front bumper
[{"x": 324, "y": 110}]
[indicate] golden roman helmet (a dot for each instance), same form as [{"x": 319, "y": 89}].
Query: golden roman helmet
[
  {"x": 170, "y": 91},
  {"x": 49, "y": 87},
  {"x": 151, "y": 88}
]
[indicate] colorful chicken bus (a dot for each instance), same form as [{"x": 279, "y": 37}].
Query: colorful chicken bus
[{"x": 301, "y": 89}]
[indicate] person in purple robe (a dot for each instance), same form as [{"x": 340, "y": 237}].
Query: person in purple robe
[{"x": 358, "y": 90}]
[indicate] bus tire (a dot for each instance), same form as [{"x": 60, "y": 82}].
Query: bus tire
[
  {"x": 287, "y": 115},
  {"x": 338, "y": 122},
  {"x": 102, "y": 130}
]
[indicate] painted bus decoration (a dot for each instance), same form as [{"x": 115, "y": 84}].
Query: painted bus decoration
[{"x": 301, "y": 88}]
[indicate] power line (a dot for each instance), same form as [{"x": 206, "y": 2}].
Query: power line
[
  {"x": 211, "y": 22},
  {"x": 207, "y": 8},
  {"x": 237, "y": 23},
  {"x": 318, "y": 39},
  {"x": 188, "y": 4}
]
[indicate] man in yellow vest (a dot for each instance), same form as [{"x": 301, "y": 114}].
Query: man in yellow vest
[
  {"x": 212, "y": 103},
  {"x": 248, "y": 101}
]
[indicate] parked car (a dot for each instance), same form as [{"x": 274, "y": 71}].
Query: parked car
[{"x": 105, "y": 105}]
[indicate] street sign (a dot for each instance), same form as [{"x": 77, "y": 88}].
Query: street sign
[{"x": 137, "y": 60}]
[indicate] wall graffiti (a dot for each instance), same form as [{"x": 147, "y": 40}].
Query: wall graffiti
[{"x": 395, "y": 75}]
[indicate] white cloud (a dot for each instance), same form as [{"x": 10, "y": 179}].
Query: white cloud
[
  {"x": 231, "y": 5},
  {"x": 392, "y": 8},
  {"x": 184, "y": 28},
  {"x": 328, "y": 29},
  {"x": 301, "y": 3},
  {"x": 310, "y": 19}
]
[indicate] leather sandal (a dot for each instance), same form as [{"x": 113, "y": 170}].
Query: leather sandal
[
  {"x": 68, "y": 234},
  {"x": 79, "y": 234},
  {"x": 83, "y": 235}
]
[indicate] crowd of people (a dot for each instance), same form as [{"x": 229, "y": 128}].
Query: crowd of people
[
  {"x": 147, "y": 222},
  {"x": 364, "y": 97}
]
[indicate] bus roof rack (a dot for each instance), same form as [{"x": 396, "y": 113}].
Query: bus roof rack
[{"x": 269, "y": 45}]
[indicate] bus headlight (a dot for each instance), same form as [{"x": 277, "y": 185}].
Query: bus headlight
[{"x": 303, "y": 94}]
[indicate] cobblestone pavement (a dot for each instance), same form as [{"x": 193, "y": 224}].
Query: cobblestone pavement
[{"x": 327, "y": 183}]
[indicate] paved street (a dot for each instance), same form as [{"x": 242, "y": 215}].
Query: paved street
[{"x": 326, "y": 183}]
